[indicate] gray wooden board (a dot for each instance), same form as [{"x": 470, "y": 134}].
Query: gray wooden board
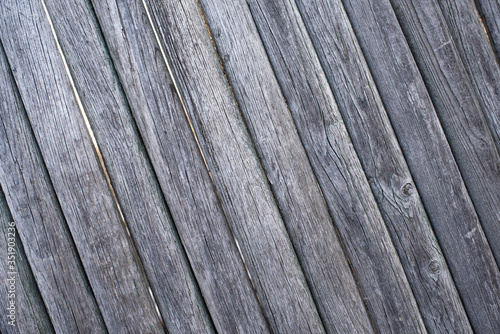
[
  {"x": 430, "y": 161},
  {"x": 479, "y": 59},
  {"x": 180, "y": 169},
  {"x": 349, "y": 191},
  {"x": 469, "y": 35},
  {"x": 286, "y": 165},
  {"x": 131, "y": 174},
  {"x": 490, "y": 14},
  {"x": 236, "y": 170},
  {"x": 106, "y": 251},
  {"x": 319, "y": 122},
  {"x": 47, "y": 242},
  {"x": 18, "y": 284}
]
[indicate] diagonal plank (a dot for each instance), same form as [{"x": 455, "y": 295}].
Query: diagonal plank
[
  {"x": 131, "y": 174},
  {"x": 47, "y": 242},
  {"x": 237, "y": 173},
  {"x": 181, "y": 172},
  {"x": 478, "y": 56},
  {"x": 490, "y": 14},
  {"x": 30, "y": 313},
  {"x": 355, "y": 212},
  {"x": 430, "y": 160},
  {"x": 312, "y": 105},
  {"x": 106, "y": 251},
  {"x": 458, "y": 109},
  {"x": 379, "y": 152}
]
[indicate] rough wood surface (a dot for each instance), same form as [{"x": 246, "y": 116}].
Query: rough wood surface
[
  {"x": 236, "y": 170},
  {"x": 319, "y": 122},
  {"x": 478, "y": 57},
  {"x": 490, "y": 14},
  {"x": 180, "y": 169},
  {"x": 469, "y": 35},
  {"x": 430, "y": 161},
  {"x": 286, "y": 164},
  {"x": 30, "y": 312},
  {"x": 106, "y": 251},
  {"x": 131, "y": 174},
  {"x": 49, "y": 247}
]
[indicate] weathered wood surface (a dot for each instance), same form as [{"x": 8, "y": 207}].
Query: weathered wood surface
[
  {"x": 490, "y": 14},
  {"x": 49, "y": 247},
  {"x": 430, "y": 160},
  {"x": 479, "y": 59},
  {"x": 204, "y": 159},
  {"x": 145, "y": 211},
  {"x": 180, "y": 169},
  {"x": 30, "y": 315},
  {"x": 319, "y": 122},
  {"x": 478, "y": 56},
  {"x": 458, "y": 109},
  {"x": 287, "y": 167},
  {"x": 106, "y": 251},
  {"x": 247, "y": 199}
]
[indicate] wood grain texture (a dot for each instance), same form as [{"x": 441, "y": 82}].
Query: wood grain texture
[
  {"x": 490, "y": 14},
  {"x": 287, "y": 166},
  {"x": 106, "y": 251},
  {"x": 236, "y": 170},
  {"x": 479, "y": 59},
  {"x": 430, "y": 160},
  {"x": 180, "y": 169},
  {"x": 166, "y": 265},
  {"x": 48, "y": 243},
  {"x": 319, "y": 122},
  {"x": 30, "y": 312}
]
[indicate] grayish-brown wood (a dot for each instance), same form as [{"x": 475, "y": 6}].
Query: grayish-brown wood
[
  {"x": 131, "y": 174},
  {"x": 479, "y": 59},
  {"x": 106, "y": 251},
  {"x": 349, "y": 196},
  {"x": 49, "y": 247},
  {"x": 478, "y": 56},
  {"x": 325, "y": 138},
  {"x": 286, "y": 165},
  {"x": 236, "y": 170},
  {"x": 430, "y": 161},
  {"x": 490, "y": 14},
  {"x": 30, "y": 315},
  {"x": 180, "y": 169}
]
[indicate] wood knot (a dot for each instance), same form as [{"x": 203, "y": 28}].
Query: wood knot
[
  {"x": 434, "y": 267},
  {"x": 407, "y": 189},
  {"x": 226, "y": 58}
]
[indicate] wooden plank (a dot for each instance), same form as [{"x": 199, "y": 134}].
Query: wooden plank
[
  {"x": 30, "y": 314},
  {"x": 48, "y": 243},
  {"x": 430, "y": 160},
  {"x": 236, "y": 170},
  {"x": 348, "y": 194},
  {"x": 106, "y": 251},
  {"x": 166, "y": 265},
  {"x": 180, "y": 169},
  {"x": 318, "y": 120},
  {"x": 490, "y": 14},
  {"x": 479, "y": 59}
]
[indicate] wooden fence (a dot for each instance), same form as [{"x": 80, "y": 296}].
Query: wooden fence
[{"x": 258, "y": 166}]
